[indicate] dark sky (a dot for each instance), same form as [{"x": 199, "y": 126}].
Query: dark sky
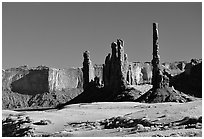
[{"x": 56, "y": 34}]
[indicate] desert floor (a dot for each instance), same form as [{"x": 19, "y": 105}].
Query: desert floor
[{"x": 74, "y": 120}]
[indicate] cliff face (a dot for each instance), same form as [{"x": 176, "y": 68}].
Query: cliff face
[
  {"x": 11, "y": 75},
  {"x": 139, "y": 73},
  {"x": 62, "y": 79},
  {"x": 39, "y": 87},
  {"x": 41, "y": 79},
  {"x": 98, "y": 72}
]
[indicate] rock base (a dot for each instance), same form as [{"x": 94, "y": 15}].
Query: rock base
[{"x": 167, "y": 94}]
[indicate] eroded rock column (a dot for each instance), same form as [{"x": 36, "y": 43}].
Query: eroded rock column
[
  {"x": 159, "y": 78},
  {"x": 156, "y": 73},
  {"x": 88, "y": 70},
  {"x": 116, "y": 68}
]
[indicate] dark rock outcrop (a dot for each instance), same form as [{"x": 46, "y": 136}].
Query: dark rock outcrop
[
  {"x": 129, "y": 94},
  {"x": 190, "y": 81},
  {"x": 17, "y": 126},
  {"x": 166, "y": 94}
]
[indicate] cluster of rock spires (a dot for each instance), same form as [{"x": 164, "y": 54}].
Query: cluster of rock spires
[
  {"x": 115, "y": 68},
  {"x": 115, "y": 76},
  {"x": 117, "y": 71},
  {"x": 111, "y": 81}
]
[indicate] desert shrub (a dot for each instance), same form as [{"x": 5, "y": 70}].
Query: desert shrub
[
  {"x": 43, "y": 122},
  {"x": 17, "y": 127}
]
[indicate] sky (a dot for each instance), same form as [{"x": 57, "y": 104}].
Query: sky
[{"x": 57, "y": 34}]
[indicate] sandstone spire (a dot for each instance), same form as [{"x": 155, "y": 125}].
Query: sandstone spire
[
  {"x": 156, "y": 73},
  {"x": 88, "y": 70},
  {"x": 116, "y": 67}
]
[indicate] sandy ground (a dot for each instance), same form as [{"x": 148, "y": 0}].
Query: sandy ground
[{"x": 91, "y": 112}]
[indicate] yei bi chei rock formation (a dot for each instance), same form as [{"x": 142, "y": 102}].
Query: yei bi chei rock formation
[{"x": 42, "y": 86}]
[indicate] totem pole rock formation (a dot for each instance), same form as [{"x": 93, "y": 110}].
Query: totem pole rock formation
[
  {"x": 156, "y": 73},
  {"x": 88, "y": 70},
  {"x": 115, "y": 68},
  {"x": 161, "y": 91},
  {"x": 159, "y": 80}
]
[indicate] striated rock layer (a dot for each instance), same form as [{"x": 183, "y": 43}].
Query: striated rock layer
[{"x": 62, "y": 79}]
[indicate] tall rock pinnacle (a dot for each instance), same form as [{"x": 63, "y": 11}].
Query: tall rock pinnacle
[
  {"x": 156, "y": 73},
  {"x": 88, "y": 70},
  {"x": 162, "y": 91}
]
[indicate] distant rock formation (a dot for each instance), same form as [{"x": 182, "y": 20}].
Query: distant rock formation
[
  {"x": 41, "y": 79},
  {"x": 98, "y": 72},
  {"x": 190, "y": 81},
  {"x": 192, "y": 63},
  {"x": 139, "y": 73}
]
